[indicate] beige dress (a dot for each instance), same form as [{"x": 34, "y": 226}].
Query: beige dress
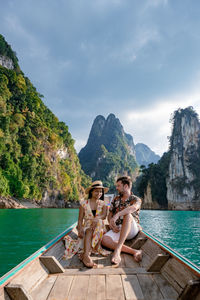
[{"x": 74, "y": 246}]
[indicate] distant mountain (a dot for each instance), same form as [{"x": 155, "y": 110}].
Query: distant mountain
[
  {"x": 37, "y": 156},
  {"x": 144, "y": 155},
  {"x": 109, "y": 152}
]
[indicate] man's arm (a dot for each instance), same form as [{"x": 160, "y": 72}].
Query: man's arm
[
  {"x": 112, "y": 225},
  {"x": 128, "y": 210}
]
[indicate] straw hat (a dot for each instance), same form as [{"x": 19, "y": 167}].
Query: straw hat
[{"x": 96, "y": 185}]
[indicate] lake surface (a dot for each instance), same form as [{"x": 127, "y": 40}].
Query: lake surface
[{"x": 23, "y": 231}]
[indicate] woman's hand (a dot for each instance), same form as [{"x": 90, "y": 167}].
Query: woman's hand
[{"x": 94, "y": 223}]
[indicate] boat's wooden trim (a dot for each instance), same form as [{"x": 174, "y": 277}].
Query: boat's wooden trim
[
  {"x": 52, "y": 264},
  {"x": 17, "y": 291},
  {"x": 12, "y": 273},
  {"x": 191, "y": 290},
  {"x": 191, "y": 266},
  {"x": 158, "y": 263},
  {"x": 139, "y": 242}
]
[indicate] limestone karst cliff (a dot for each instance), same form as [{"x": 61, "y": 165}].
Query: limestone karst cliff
[
  {"x": 109, "y": 151},
  {"x": 183, "y": 180},
  {"x": 6, "y": 62},
  {"x": 174, "y": 182}
]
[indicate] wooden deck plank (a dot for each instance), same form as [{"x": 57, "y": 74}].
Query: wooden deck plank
[
  {"x": 178, "y": 273},
  {"x": 146, "y": 260},
  {"x": 132, "y": 289},
  {"x": 65, "y": 262},
  {"x": 166, "y": 289},
  {"x": 43, "y": 290},
  {"x": 76, "y": 262},
  {"x": 61, "y": 288},
  {"x": 130, "y": 262},
  {"x": 105, "y": 261},
  {"x": 92, "y": 288},
  {"x": 122, "y": 263},
  {"x": 114, "y": 287},
  {"x": 171, "y": 281},
  {"x": 101, "y": 287},
  {"x": 149, "y": 287},
  {"x": 79, "y": 288},
  {"x": 105, "y": 271}
]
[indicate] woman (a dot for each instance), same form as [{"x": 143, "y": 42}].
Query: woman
[{"x": 91, "y": 226}]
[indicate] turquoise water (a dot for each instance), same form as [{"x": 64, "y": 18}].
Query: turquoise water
[
  {"x": 23, "y": 231},
  {"x": 178, "y": 229}
]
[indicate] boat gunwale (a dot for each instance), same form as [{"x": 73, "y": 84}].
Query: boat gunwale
[
  {"x": 183, "y": 260},
  {"x": 21, "y": 266}
]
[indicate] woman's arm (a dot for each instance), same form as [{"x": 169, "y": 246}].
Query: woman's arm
[{"x": 80, "y": 221}]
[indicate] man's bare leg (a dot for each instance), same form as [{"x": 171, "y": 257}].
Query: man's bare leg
[{"x": 118, "y": 247}]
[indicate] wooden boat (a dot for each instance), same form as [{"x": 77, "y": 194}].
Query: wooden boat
[{"x": 162, "y": 274}]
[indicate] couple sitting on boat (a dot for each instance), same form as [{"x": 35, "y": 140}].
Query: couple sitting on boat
[{"x": 123, "y": 221}]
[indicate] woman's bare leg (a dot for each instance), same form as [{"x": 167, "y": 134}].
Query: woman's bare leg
[{"x": 87, "y": 248}]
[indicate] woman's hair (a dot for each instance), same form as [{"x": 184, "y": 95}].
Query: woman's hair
[{"x": 90, "y": 194}]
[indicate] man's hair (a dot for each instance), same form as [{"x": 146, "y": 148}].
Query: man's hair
[{"x": 125, "y": 180}]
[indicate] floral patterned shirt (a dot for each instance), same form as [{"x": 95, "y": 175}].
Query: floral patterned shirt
[{"x": 117, "y": 205}]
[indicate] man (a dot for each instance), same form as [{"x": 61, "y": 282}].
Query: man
[{"x": 123, "y": 219}]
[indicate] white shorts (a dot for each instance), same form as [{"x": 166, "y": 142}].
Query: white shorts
[{"x": 133, "y": 232}]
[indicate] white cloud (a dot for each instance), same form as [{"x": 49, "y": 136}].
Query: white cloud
[
  {"x": 32, "y": 45},
  {"x": 155, "y": 3},
  {"x": 79, "y": 144},
  {"x": 129, "y": 51},
  {"x": 151, "y": 124}
]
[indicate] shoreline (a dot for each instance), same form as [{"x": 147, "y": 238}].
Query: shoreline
[{"x": 13, "y": 203}]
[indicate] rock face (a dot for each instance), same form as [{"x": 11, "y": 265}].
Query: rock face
[
  {"x": 8, "y": 202},
  {"x": 6, "y": 62},
  {"x": 109, "y": 151},
  {"x": 144, "y": 155},
  {"x": 183, "y": 181},
  {"x": 148, "y": 202}
]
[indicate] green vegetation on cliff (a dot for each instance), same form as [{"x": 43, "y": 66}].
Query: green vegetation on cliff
[
  {"x": 155, "y": 175},
  {"x": 36, "y": 150}
]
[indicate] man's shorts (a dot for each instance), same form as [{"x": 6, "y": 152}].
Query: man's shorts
[{"x": 133, "y": 232}]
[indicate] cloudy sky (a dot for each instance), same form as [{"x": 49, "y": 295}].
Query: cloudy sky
[{"x": 138, "y": 59}]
